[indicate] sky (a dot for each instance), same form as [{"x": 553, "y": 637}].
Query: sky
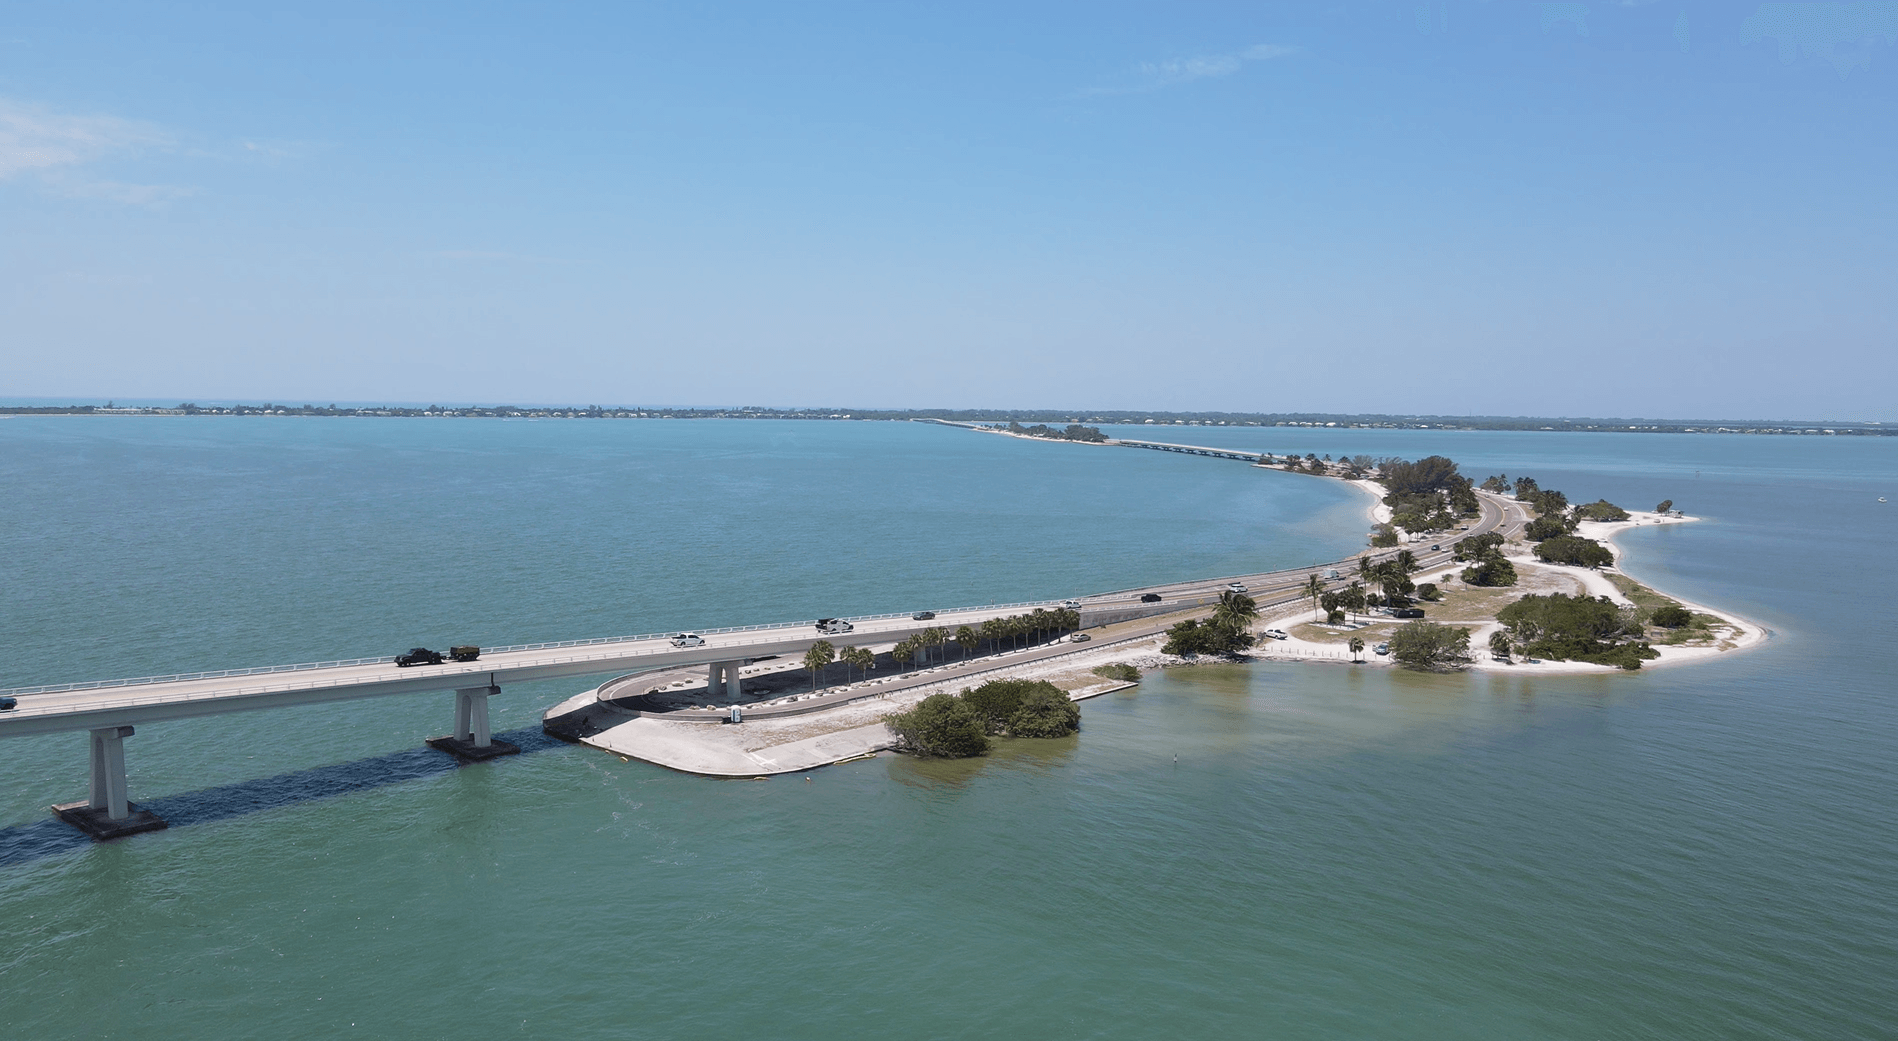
[{"x": 1652, "y": 209}]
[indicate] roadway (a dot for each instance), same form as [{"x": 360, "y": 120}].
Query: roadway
[{"x": 131, "y": 702}]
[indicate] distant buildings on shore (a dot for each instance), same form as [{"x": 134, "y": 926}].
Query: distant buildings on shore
[{"x": 1198, "y": 419}]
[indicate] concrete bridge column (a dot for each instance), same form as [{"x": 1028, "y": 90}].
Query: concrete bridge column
[
  {"x": 108, "y": 814},
  {"x": 108, "y": 772},
  {"x": 726, "y": 673},
  {"x": 471, "y": 741}
]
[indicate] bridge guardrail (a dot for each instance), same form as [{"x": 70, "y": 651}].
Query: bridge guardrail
[{"x": 57, "y": 688}]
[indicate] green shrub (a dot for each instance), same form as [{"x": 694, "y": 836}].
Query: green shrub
[
  {"x": 1492, "y": 572},
  {"x": 1119, "y": 670},
  {"x": 1427, "y": 645},
  {"x": 1192, "y": 637},
  {"x": 1601, "y": 510},
  {"x": 942, "y": 726},
  {"x": 1429, "y": 591},
  {"x": 996, "y": 701},
  {"x": 1550, "y": 526},
  {"x": 1575, "y": 628},
  {"x": 1572, "y": 549},
  {"x": 1044, "y": 712},
  {"x": 1672, "y": 616}
]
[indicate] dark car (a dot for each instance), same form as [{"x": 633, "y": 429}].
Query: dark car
[
  {"x": 1407, "y": 612},
  {"x": 923, "y": 616},
  {"x": 9, "y": 704},
  {"x": 418, "y": 656},
  {"x": 1149, "y": 598},
  {"x": 466, "y": 652}
]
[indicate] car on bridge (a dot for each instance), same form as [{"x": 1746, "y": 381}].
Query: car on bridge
[
  {"x": 418, "y": 656},
  {"x": 1149, "y": 598},
  {"x": 1236, "y": 587},
  {"x": 688, "y": 640},
  {"x": 9, "y": 704},
  {"x": 923, "y": 616},
  {"x": 1070, "y": 605},
  {"x": 833, "y": 626},
  {"x": 1079, "y": 637}
]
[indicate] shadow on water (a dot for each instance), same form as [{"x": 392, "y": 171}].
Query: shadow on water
[{"x": 52, "y": 836}]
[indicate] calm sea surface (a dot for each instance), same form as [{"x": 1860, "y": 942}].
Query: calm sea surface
[{"x": 1705, "y": 852}]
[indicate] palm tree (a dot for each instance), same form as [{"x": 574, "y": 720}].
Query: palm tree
[
  {"x": 1499, "y": 644},
  {"x": 903, "y": 652},
  {"x": 1235, "y": 609},
  {"x": 1405, "y": 563},
  {"x": 993, "y": 630},
  {"x": 1314, "y": 588},
  {"x": 820, "y": 655},
  {"x": 863, "y": 659},
  {"x": 935, "y": 636},
  {"x": 1352, "y": 599},
  {"x": 966, "y": 639},
  {"x": 1357, "y": 647}
]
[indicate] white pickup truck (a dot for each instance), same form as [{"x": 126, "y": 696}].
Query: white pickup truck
[{"x": 833, "y": 626}]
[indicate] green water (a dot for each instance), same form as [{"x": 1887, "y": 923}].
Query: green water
[{"x": 1695, "y": 852}]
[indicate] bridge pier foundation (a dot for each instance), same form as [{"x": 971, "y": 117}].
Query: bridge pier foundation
[
  {"x": 725, "y": 673},
  {"x": 108, "y": 814},
  {"x": 471, "y": 742}
]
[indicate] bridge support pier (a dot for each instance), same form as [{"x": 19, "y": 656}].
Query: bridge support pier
[
  {"x": 471, "y": 742},
  {"x": 725, "y": 672},
  {"x": 108, "y": 814}
]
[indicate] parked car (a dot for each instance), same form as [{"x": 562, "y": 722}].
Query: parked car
[
  {"x": 466, "y": 652},
  {"x": 923, "y": 616},
  {"x": 833, "y": 626},
  {"x": 1149, "y": 598},
  {"x": 9, "y": 704},
  {"x": 1079, "y": 637},
  {"x": 1407, "y": 612},
  {"x": 418, "y": 656},
  {"x": 1237, "y": 587},
  {"x": 688, "y": 640},
  {"x": 1278, "y": 634},
  {"x": 1382, "y": 648}
]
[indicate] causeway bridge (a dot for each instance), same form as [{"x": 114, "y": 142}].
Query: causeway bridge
[
  {"x": 1163, "y": 446},
  {"x": 110, "y": 711}
]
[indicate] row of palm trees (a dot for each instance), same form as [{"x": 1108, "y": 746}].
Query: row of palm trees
[{"x": 928, "y": 645}]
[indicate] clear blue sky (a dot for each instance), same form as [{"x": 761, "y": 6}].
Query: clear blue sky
[{"x": 1657, "y": 209}]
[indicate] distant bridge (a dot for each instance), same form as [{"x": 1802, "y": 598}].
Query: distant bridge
[{"x": 1163, "y": 446}]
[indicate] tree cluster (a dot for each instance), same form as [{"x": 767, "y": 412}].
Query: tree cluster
[
  {"x": 1390, "y": 575},
  {"x": 1577, "y": 628},
  {"x": 1427, "y": 645},
  {"x": 1600, "y": 510},
  {"x": 1427, "y": 495},
  {"x": 1575, "y": 550},
  {"x": 1073, "y": 432},
  {"x": 1226, "y": 632},
  {"x": 1484, "y": 553},
  {"x": 953, "y": 726}
]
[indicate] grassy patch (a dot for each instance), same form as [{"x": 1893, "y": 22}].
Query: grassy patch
[
  {"x": 1118, "y": 670},
  {"x": 1698, "y": 631}
]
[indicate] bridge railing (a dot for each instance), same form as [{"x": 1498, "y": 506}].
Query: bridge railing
[
  {"x": 263, "y": 670},
  {"x": 55, "y": 688}
]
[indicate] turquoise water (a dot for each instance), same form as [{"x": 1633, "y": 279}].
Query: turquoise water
[{"x": 1696, "y": 852}]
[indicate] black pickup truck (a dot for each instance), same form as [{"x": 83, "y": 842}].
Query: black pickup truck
[{"x": 418, "y": 656}]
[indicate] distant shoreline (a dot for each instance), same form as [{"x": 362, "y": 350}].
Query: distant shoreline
[{"x": 1821, "y": 428}]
